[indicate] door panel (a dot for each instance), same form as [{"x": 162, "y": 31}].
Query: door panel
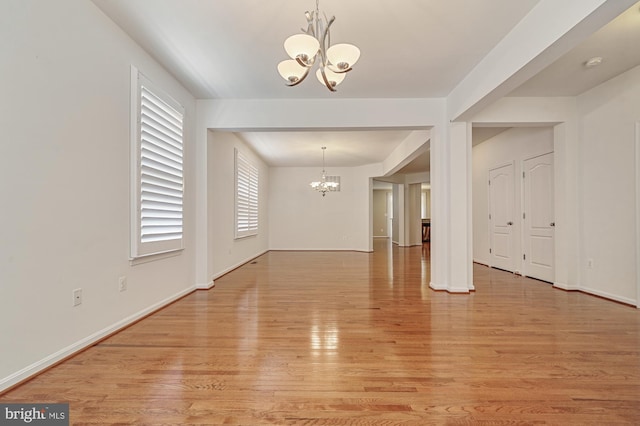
[
  {"x": 539, "y": 218},
  {"x": 501, "y": 207}
]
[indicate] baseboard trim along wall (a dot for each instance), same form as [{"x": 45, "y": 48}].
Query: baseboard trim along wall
[
  {"x": 73, "y": 349},
  {"x": 609, "y": 296},
  {"x": 598, "y": 293},
  {"x": 567, "y": 287},
  {"x": 231, "y": 268}
]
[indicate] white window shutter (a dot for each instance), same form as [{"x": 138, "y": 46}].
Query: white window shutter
[
  {"x": 246, "y": 203},
  {"x": 158, "y": 172}
]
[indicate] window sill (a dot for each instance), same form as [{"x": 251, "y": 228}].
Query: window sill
[{"x": 154, "y": 256}]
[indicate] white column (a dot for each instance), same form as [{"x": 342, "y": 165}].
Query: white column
[
  {"x": 398, "y": 214},
  {"x": 439, "y": 206},
  {"x": 460, "y": 231},
  {"x": 566, "y": 205},
  {"x": 202, "y": 272}
]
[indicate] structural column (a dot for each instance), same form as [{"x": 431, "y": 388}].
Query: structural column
[
  {"x": 439, "y": 206},
  {"x": 460, "y": 214},
  {"x": 451, "y": 232},
  {"x": 566, "y": 204}
]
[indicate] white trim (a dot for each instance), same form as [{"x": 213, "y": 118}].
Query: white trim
[
  {"x": 459, "y": 290},
  {"x": 324, "y": 249},
  {"x": 237, "y": 265},
  {"x": 604, "y": 294},
  {"x": 207, "y": 286},
  {"x": 88, "y": 341},
  {"x": 610, "y": 296},
  {"x": 436, "y": 287},
  {"x": 565, "y": 286}
]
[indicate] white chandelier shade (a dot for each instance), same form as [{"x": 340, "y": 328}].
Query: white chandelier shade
[
  {"x": 302, "y": 46},
  {"x": 313, "y": 46},
  {"x": 294, "y": 72},
  {"x": 333, "y": 78},
  {"x": 343, "y": 56}
]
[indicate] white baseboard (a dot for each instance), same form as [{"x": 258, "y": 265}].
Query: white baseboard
[
  {"x": 450, "y": 289},
  {"x": 459, "y": 290},
  {"x": 595, "y": 292},
  {"x": 565, "y": 286},
  {"x": 88, "y": 341},
  {"x": 610, "y": 296},
  {"x": 321, "y": 249},
  {"x": 437, "y": 287},
  {"x": 206, "y": 286},
  {"x": 236, "y": 266}
]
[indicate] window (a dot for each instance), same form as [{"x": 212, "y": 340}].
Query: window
[
  {"x": 157, "y": 216},
  {"x": 246, "y": 196}
]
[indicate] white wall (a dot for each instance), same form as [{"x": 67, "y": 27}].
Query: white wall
[
  {"x": 225, "y": 252},
  {"x": 302, "y": 219},
  {"x": 512, "y": 146},
  {"x": 607, "y": 117},
  {"x": 64, "y": 183}
]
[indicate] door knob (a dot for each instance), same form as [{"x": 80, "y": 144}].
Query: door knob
[
  {"x": 552, "y": 224},
  {"x": 509, "y": 223}
]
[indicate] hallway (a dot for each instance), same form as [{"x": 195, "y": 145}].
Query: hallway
[{"x": 359, "y": 338}]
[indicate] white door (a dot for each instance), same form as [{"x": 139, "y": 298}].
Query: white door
[
  {"x": 501, "y": 207},
  {"x": 538, "y": 218}
]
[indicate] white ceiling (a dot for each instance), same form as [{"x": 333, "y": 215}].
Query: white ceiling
[
  {"x": 344, "y": 148},
  {"x": 617, "y": 43},
  {"x": 230, "y": 48},
  {"x": 410, "y": 48}
]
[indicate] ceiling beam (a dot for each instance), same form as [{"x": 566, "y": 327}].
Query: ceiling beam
[{"x": 551, "y": 29}]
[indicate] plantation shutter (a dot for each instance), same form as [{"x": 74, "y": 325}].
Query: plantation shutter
[
  {"x": 246, "y": 196},
  {"x": 160, "y": 173}
]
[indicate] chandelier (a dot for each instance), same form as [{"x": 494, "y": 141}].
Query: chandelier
[
  {"x": 314, "y": 45},
  {"x": 322, "y": 185}
]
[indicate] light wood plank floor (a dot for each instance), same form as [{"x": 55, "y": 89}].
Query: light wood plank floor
[{"x": 354, "y": 338}]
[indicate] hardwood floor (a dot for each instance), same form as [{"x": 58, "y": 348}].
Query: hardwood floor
[{"x": 325, "y": 338}]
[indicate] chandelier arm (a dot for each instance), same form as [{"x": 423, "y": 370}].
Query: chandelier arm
[
  {"x": 310, "y": 27},
  {"x": 301, "y": 79},
  {"x": 339, "y": 71},
  {"x": 325, "y": 37},
  {"x": 306, "y": 64}
]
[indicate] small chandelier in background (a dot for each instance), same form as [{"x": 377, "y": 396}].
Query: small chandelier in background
[
  {"x": 314, "y": 45},
  {"x": 323, "y": 186}
]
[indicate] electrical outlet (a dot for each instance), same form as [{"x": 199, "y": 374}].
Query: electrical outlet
[
  {"x": 122, "y": 283},
  {"x": 77, "y": 296}
]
